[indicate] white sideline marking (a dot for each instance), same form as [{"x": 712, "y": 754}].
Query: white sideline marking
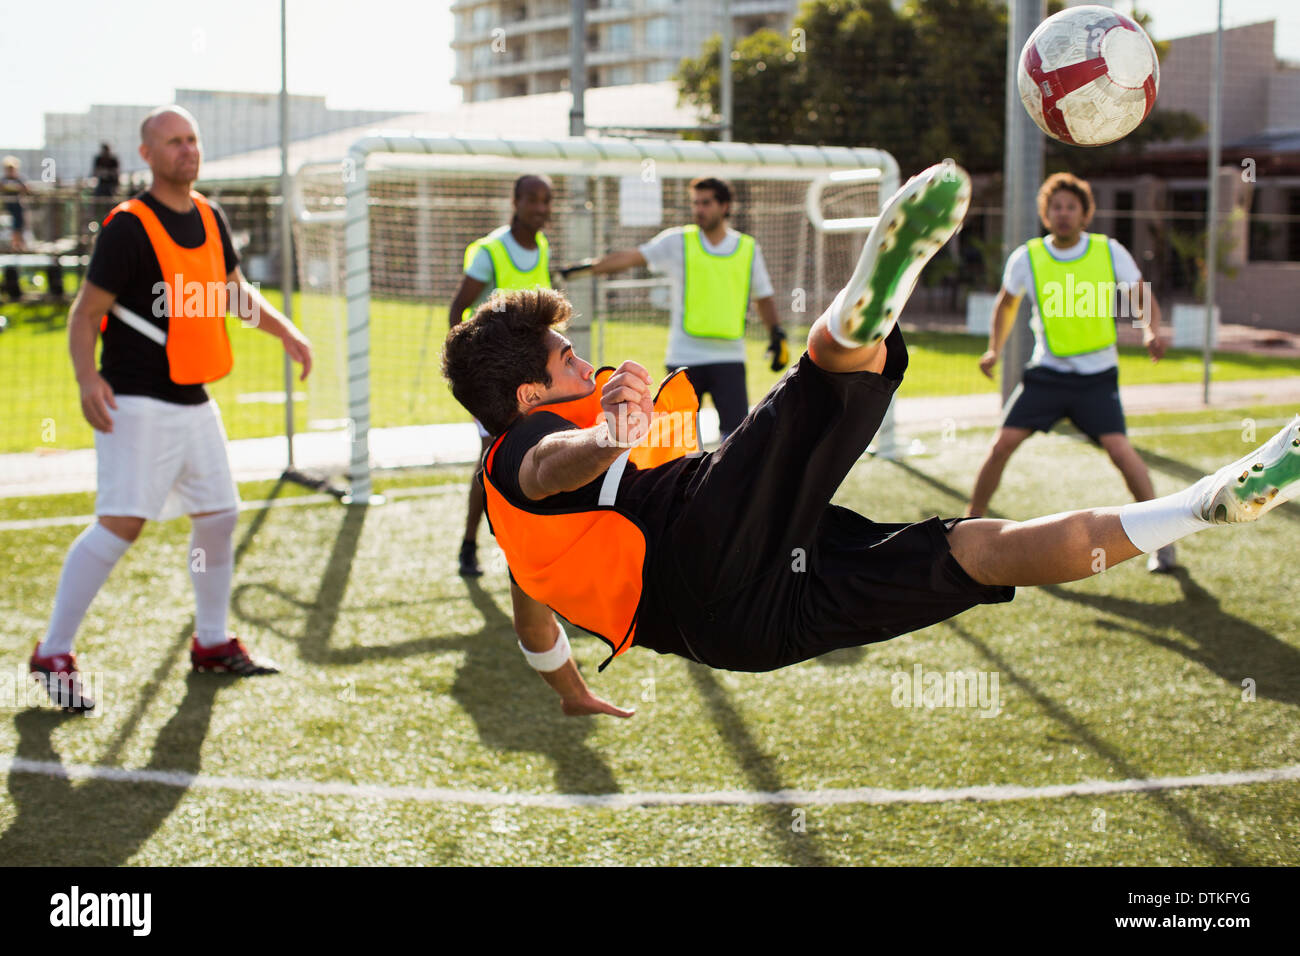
[
  {"x": 993, "y": 793},
  {"x": 57, "y": 521}
]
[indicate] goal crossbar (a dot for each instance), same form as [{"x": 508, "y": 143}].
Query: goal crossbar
[{"x": 818, "y": 165}]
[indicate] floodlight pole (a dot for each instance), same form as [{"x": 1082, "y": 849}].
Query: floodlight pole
[
  {"x": 1022, "y": 172},
  {"x": 1212, "y": 213},
  {"x": 724, "y": 71},
  {"x": 286, "y": 231},
  {"x": 578, "y": 68}
]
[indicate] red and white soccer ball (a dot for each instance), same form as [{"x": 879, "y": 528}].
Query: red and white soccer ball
[{"x": 1088, "y": 76}]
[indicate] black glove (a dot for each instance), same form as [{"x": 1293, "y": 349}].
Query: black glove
[
  {"x": 777, "y": 348},
  {"x": 575, "y": 270}
]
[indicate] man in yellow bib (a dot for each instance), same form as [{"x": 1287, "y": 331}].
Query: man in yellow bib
[
  {"x": 1079, "y": 283},
  {"x": 517, "y": 256},
  {"x": 715, "y": 271},
  {"x": 161, "y": 278}
]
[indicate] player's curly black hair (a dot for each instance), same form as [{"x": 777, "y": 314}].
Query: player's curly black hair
[
  {"x": 500, "y": 347},
  {"x": 1071, "y": 184}
]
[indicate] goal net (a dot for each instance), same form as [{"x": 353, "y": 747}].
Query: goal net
[{"x": 381, "y": 238}]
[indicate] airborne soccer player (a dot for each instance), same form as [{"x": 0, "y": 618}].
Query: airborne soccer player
[
  {"x": 159, "y": 443},
  {"x": 737, "y": 559}
]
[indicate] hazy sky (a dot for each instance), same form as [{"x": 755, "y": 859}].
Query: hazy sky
[{"x": 381, "y": 54}]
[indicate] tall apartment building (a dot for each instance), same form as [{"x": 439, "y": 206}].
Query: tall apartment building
[{"x": 516, "y": 47}]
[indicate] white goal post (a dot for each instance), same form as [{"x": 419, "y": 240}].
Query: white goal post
[{"x": 806, "y": 205}]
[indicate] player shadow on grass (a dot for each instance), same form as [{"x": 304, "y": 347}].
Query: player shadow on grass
[
  {"x": 1228, "y": 645},
  {"x": 511, "y": 708},
  {"x": 1221, "y": 853},
  {"x": 100, "y": 822}
]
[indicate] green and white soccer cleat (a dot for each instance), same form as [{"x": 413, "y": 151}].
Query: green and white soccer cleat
[
  {"x": 1255, "y": 484},
  {"x": 914, "y": 224}
]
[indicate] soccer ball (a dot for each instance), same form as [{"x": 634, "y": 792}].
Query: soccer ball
[{"x": 1088, "y": 76}]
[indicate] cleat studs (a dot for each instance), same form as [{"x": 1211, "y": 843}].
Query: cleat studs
[
  {"x": 1244, "y": 476},
  {"x": 1258, "y": 466}
]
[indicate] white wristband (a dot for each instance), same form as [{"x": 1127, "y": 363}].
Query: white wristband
[{"x": 551, "y": 660}]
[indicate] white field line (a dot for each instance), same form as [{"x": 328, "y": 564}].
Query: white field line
[
  {"x": 57, "y": 521},
  {"x": 993, "y": 793}
]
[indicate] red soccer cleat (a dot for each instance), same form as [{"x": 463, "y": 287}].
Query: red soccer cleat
[
  {"x": 230, "y": 658},
  {"x": 58, "y": 674}
]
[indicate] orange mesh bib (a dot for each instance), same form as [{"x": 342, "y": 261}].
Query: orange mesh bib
[
  {"x": 198, "y": 347},
  {"x": 588, "y": 565}
]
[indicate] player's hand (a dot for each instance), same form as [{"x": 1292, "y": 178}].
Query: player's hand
[
  {"x": 778, "y": 350},
  {"x": 589, "y": 705},
  {"x": 577, "y": 270},
  {"x": 96, "y": 399},
  {"x": 988, "y": 361},
  {"x": 1155, "y": 346},
  {"x": 628, "y": 404},
  {"x": 298, "y": 348}
]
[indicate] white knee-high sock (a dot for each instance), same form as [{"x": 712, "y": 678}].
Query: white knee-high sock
[
  {"x": 212, "y": 565},
  {"x": 1151, "y": 525},
  {"x": 89, "y": 562}
]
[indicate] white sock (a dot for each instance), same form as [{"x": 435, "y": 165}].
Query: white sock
[
  {"x": 212, "y": 565},
  {"x": 1151, "y": 525},
  {"x": 89, "y": 562}
]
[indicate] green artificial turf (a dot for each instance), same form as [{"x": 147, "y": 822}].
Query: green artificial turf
[{"x": 398, "y": 673}]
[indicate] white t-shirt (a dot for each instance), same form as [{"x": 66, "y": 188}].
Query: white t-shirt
[
  {"x": 664, "y": 254},
  {"x": 1018, "y": 279},
  {"x": 481, "y": 267}
]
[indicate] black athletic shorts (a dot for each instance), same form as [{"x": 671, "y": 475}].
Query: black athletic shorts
[
  {"x": 1045, "y": 396},
  {"x": 762, "y": 571},
  {"x": 725, "y": 382}
]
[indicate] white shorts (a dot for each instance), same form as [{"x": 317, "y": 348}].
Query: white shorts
[{"x": 162, "y": 460}]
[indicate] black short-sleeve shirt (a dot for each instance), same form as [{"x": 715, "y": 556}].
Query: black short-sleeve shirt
[
  {"x": 651, "y": 497},
  {"x": 124, "y": 263}
]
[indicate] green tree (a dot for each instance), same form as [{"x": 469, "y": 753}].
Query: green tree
[{"x": 925, "y": 81}]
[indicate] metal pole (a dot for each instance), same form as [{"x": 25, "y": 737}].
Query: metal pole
[
  {"x": 724, "y": 70},
  {"x": 286, "y": 229},
  {"x": 1212, "y": 213},
  {"x": 578, "y": 67},
  {"x": 1022, "y": 172}
]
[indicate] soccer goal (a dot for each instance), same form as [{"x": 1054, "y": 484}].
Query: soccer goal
[{"x": 381, "y": 238}]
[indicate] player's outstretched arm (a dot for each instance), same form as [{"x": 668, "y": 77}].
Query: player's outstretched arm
[
  {"x": 470, "y": 289},
  {"x": 613, "y": 262},
  {"x": 547, "y": 649},
  {"x": 1147, "y": 315},
  {"x": 251, "y": 306},
  {"x": 1004, "y": 317},
  {"x": 91, "y": 303}
]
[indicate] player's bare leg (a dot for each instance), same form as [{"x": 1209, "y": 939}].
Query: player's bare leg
[
  {"x": 1079, "y": 544},
  {"x": 990, "y": 473},
  {"x": 469, "y": 566},
  {"x": 1130, "y": 465}
]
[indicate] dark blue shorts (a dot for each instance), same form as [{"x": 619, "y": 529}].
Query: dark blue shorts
[{"x": 1045, "y": 396}]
